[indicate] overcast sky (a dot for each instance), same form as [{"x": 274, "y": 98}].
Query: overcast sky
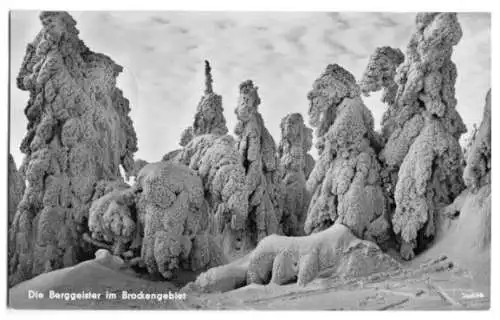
[{"x": 283, "y": 53}]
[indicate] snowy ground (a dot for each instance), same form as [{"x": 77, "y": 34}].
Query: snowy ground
[{"x": 435, "y": 284}]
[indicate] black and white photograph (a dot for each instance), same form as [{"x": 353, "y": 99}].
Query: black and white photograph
[{"x": 249, "y": 160}]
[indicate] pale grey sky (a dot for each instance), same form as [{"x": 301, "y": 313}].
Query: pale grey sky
[{"x": 162, "y": 54}]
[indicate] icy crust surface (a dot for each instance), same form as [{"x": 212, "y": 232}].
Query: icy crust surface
[
  {"x": 328, "y": 91},
  {"x": 429, "y": 177},
  {"x": 172, "y": 210},
  {"x": 258, "y": 152},
  {"x": 112, "y": 216},
  {"x": 380, "y": 73},
  {"x": 79, "y": 132},
  {"x": 345, "y": 182},
  {"x": 428, "y": 74},
  {"x": 295, "y": 166}
]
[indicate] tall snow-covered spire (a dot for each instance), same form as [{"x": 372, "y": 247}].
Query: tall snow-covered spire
[{"x": 208, "y": 78}]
